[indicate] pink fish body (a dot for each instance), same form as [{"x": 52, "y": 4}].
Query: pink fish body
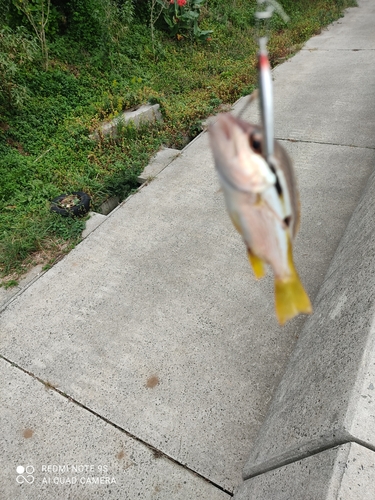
[{"x": 263, "y": 204}]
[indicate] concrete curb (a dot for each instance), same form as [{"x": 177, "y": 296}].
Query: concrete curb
[
  {"x": 326, "y": 396},
  {"x": 346, "y": 472}
]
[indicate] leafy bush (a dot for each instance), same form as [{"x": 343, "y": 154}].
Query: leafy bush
[
  {"x": 98, "y": 24},
  {"x": 17, "y": 49},
  {"x": 181, "y": 17},
  {"x": 37, "y": 13}
]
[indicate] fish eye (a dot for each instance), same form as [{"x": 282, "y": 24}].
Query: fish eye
[
  {"x": 255, "y": 143},
  {"x": 288, "y": 220}
]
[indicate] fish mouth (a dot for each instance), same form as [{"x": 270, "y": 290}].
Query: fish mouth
[
  {"x": 236, "y": 162},
  {"x": 227, "y": 123}
]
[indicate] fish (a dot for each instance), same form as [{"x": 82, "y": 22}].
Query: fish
[{"x": 263, "y": 203}]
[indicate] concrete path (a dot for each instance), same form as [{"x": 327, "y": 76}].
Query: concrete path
[{"x": 143, "y": 364}]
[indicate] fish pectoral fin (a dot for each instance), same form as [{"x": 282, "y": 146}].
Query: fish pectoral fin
[
  {"x": 257, "y": 264},
  {"x": 290, "y": 298}
]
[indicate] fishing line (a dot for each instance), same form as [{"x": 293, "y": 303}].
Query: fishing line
[
  {"x": 265, "y": 76},
  {"x": 261, "y": 38}
]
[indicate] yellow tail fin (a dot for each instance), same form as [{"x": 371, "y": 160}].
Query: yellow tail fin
[{"x": 290, "y": 298}]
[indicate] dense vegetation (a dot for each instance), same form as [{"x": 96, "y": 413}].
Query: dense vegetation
[{"x": 65, "y": 66}]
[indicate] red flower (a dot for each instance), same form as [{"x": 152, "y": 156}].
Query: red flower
[{"x": 181, "y": 3}]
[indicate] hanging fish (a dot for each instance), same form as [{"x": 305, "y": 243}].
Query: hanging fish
[{"x": 262, "y": 201}]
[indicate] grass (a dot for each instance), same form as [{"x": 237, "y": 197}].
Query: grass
[{"x": 45, "y": 148}]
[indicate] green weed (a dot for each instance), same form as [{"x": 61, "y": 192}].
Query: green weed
[{"x": 9, "y": 284}]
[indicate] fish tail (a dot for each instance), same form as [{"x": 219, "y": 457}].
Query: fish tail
[{"x": 290, "y": 298}]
